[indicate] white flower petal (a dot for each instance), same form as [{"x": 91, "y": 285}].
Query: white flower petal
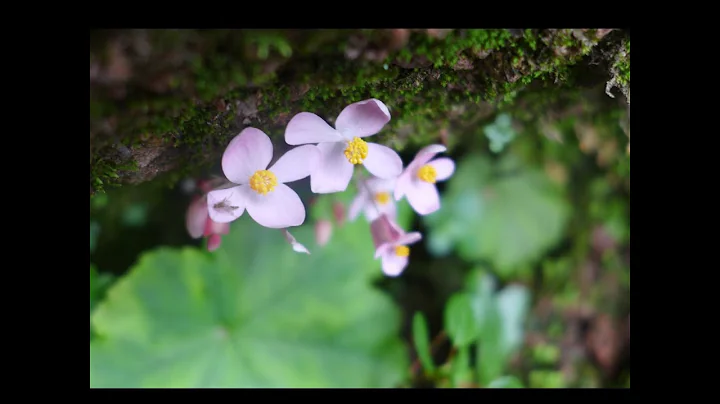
[
  {"x": 307, "y": 127},
  {"x": 277, "y": 209},
  {"x": 382, "y": 161},
  {"x": 226, "y": 205},
  {"x": 444, "y": 167},
  {"x": 423, "y": 197},
  {"x": 248, "y": 152},
  {"x": 296, "y": 164},
  {"x": 363, "y": 118},
  {"x": 392, "y": 265},
  {"x": 333, "y": 172}
]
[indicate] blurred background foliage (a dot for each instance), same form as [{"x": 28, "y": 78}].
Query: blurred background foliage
[{"x": 522, "y": 279}]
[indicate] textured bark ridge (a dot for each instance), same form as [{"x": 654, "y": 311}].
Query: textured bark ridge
[{"x": 164, "y": 103}]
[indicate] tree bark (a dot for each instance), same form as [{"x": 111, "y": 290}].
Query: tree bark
[{"x": 165, "y": 103}]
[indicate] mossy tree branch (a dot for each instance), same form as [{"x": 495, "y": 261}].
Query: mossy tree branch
[{"x": 168, "y": 101}]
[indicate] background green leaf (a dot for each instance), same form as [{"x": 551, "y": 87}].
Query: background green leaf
[
  {"x": 421, "y": 340},
  {"x": 505, "y": 213},
  {"x": 460, "y": 322},
  {"x": 252, "y": 314},
  {"x": 500, "y": 317},
  {"x": 500, "y": 133}
]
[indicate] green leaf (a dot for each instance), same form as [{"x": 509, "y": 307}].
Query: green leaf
[
  {"x": 506, "y": 382},
  {"x": 513, "y": 303},
  {"x": 251, "y": 314},
  {"x": 460, "y": 323},
  {"x": 421, "y": 339},
  {"x": 500, "y": 133},
  {"x": 461, "y": 371},
  {"x": 98, "y": 285},
  {"x": 500, "y": 318},
  {"x": 506, "y": 213}
]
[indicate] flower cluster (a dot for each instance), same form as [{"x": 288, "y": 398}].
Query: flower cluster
[{"x": 328, "y": 156}]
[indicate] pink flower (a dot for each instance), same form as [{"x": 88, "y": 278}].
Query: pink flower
[
  {"x": 343, "y": 147},
  {"x": 261, "y": 191},
  {"x": 199, "y": 224},
  {"x": 374, "y": 198},
  {"x": 391, "y": 244},
  {"x": 323, "y": 231},
  {"x": 417, "y": 182}
]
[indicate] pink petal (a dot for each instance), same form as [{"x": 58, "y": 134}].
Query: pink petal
[
  {"x": 382, "y": 161},
  {"x": 248, "y": 152},
  {"x": 423, "y": 197},
  {"x": 424, "y": 155},
  {"x": 297, "y": 247},
  {"x": 444, "y": 167},
  {"x": 359, "y": 203},
  {"x": 278, "y": 209},
  {"x": 392, "y": 265},
  {"x": 307, "y": 127},
  {"x": 323, "y": 231},
  {"x": 384, "y": 249},
  {"x": 409, "y": 238},
  {"x": 218, "y": 228},
  {"x": 196, "y": 216},
  {"x": 213, "y": 242},
  {"x": 333, "y": 172},
  {"x": 226, "y": 205},
  {"x": 364, "y": 118},
  {"x": 381, "y": 184},
  {"x": 383, "y": 230},
  {"x": 403, "y": 182},
  {"x": 296, "y": 164}
]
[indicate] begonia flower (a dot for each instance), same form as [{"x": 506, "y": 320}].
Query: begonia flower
[
  {"x": 261, "y": 190},
  {"x": 418, "y": 180},
  {"x": 343, "y": 147},
  {"x": 373, "y": 199},
  {"x": 391, "y": 244}
]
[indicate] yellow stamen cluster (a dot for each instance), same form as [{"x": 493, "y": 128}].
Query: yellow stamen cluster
[
  {"x": 356, "y": 151},
  {"x": 427, "y": 173},
  {"x": 382, "y": 197},
  {"x": 263, "y": 181},
  {"x": 402, "y": 251}
]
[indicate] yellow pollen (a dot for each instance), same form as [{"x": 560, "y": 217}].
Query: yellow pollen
[
  {"x": 356, "y": 151},
  {"x": 427, "y": 173},
  {"x": 402, "y": 251},
  {"x": 382, "y": 197},
  {"x": 263, "y": 181}
]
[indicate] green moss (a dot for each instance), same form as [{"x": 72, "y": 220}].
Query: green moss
[
  {"x": 104, "y": 174},
  {"x": 622, "y": 65},
  {"x": 231, "y": 66}
]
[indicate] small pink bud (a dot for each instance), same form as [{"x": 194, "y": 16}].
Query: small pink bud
[
  {"x": 323, "y": 231},
  {"x": 383, "y": 230},
  {"x": 339, "y": 213},
  {"x": 213, "y": 242}
]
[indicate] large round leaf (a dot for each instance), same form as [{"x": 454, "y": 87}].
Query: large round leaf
[
  {"x": 504, "y": 213},
  {"x": 252, "y": 314}
]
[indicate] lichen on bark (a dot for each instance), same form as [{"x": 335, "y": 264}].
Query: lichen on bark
[{"x": 166, "y": 102}]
